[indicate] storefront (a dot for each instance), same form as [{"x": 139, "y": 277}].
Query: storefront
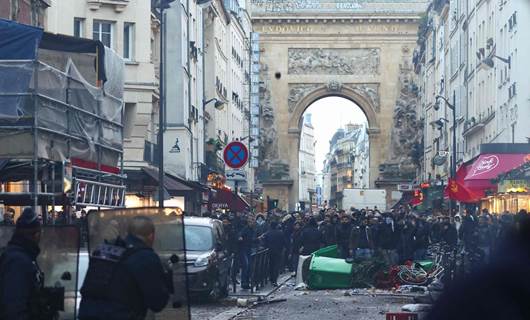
[
  {"x": 513, "y": 193},
  {"x": 142, "y": 191},
  {"x": 493, "y": 179}
]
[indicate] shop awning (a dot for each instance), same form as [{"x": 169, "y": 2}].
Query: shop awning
[
  {"x": 487, "y": 167},
  {"x": 490, "y": 166},
  {"x": 226, "y": 199},
  {"x": 172, "y": 185}
]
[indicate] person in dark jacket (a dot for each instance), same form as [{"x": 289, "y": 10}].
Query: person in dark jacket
[
  {"x": 388, "y": 240},
  {"x": 485, "y": 237},
  {"x": 296, "y": 243},
  {"x": 329, "y": 231},
  {"x": 421, "y": 239},
  {"x": 140, "y": 284},
  {"x": 310, "y": 238},
  {"x": 362, "y": 241},
  {"x": 468, "y": 230},
  {"x": 274, "y": 240},
  {"x": 247, "y": 240},
  {"x": 344, "y": 234},
  {"x": 448, "y": 234},
  {"x": 20, "y": 275}
]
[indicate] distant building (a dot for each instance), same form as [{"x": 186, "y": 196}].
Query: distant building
[
  {"x": 307, "y": 174},
  {"x": 123, "y": 27},
  {"x": 347, "y": 163},
  {"x": 227, "y": 29},
  {"x": 475, "y": 52}
]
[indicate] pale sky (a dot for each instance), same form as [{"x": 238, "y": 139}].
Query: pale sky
[{"x": 328, "y": 115}]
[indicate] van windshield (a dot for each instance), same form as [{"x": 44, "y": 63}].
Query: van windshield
[{"x": 198, "y": 238}]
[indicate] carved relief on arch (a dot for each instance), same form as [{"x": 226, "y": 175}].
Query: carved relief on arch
[
  {"x": 297, "y": 91},
  {"x": 368, "y": 90},
  {"x": 331, "y": 61}
]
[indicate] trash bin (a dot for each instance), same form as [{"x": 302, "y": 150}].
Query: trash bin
[
  {"x": 426, "y": 265},
  {"x": 328, "y": 272}
]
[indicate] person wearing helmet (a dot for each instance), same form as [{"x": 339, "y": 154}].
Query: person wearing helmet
[{"x": 20, "y": 275}]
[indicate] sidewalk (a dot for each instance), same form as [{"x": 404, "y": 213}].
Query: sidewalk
[{"x": 262, "y": 292}]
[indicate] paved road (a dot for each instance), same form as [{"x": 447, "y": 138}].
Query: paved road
[{"x": 309, "y": 305}]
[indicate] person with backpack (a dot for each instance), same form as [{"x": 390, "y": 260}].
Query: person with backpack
[
  {"x": 20, "y": 275},
  {"x": 126, "y": 279}
]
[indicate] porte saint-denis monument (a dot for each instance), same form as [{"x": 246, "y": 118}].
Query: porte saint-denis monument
[{"x": 361, "y": 50}]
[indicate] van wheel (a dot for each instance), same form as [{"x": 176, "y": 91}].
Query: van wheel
[
  {"x": 225, "y": 287},
  {"x": 216, "y": 292}
]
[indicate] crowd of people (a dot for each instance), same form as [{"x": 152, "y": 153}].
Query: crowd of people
[{"x": 395, "y": 236}]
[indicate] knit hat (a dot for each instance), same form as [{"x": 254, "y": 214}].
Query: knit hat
[{"x": 28, "y": 220}]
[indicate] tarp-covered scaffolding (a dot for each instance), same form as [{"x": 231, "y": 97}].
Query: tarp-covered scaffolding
[{"x": 61, "y": 109}]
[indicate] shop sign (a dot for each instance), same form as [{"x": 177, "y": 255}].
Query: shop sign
[{"x": 514, "y": 186}]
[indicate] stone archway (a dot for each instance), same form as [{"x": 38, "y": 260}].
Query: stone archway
[
  {"x": 363, "y": 95},
  {"x": 312, "y": 54}
]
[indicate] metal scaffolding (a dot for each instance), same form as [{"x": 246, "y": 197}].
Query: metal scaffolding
[{"x": 61, "y": 134}]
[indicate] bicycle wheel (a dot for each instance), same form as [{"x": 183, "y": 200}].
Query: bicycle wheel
[{"x": 413, "y": 278}]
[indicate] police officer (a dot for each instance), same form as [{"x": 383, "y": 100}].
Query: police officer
[
  {"x": 20, "y": 275},
  {"x": 138, "y": 283}
]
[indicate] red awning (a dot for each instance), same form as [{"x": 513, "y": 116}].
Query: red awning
[
  {"x": 490, "y": 166},
  {"x": 226, "y": 199},
  {"x": 487, "y": 167}
]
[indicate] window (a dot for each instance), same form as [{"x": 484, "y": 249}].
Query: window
[
  {"x": 129, "y": 119},
  {"x": 102, "y": 31},
  {"x": 128, "y": 41},
  {"x": 79, "y": 27}
]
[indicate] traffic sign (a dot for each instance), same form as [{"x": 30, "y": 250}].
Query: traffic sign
[
  {"x": 235, "y": 155},
  {"x": 236, "y": 175}
]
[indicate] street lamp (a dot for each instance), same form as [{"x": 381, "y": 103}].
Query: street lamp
[
  {"x": 218, "y": 104},
  {"x": 451, "y": 106},
  {"x": 162, "y": 5},
  {"x": 490, "y": 63}
]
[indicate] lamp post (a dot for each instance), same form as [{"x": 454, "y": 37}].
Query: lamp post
[
  {"x": 218, "y": 104},
  {"x": 162, "y": 5},
  {"x": 451, "y": 106}
]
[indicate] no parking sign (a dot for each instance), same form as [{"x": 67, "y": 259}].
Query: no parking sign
[{"x": 235, "y": 155}]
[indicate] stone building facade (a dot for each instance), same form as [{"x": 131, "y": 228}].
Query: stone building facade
[
  {"x": 307, "y": 167},
  {"x": 471, "y": 53},
  {"x": 32, "y": 12},
  {"x": 347, "y": 163}
]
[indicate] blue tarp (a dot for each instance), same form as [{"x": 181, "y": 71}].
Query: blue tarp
[{"x": 18, "y": 41}]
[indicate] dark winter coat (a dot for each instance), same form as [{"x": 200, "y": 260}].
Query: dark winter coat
[
  {"x": 449, "y": 235},
  {"x": 249, "y": 239},
  {"x": 387, "y": 237},
  {"x": 344, "y": 235},
  {"x": 329, "y": 233},
  {"x": 142, "y": 285},
  {"x": 19, "y": 276},
  {"x": 274, "y": 241},
  {"x": 421, "y": 236},
  {"x": 362, "y": 238},
  {"x": 310, "y": 240}
]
